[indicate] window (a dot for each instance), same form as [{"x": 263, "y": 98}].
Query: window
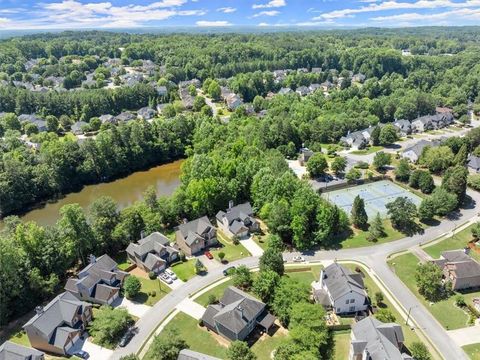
[
  {"x": 346, "y": 302},
  {"x": 352, "y": 308},
  {"x": 352, "y": 301}
]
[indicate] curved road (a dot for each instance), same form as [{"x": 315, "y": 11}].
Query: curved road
[{"x": 374, "y": 257}]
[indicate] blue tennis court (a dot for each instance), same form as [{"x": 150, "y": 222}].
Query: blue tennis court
[{"x": 376, "y": 195}]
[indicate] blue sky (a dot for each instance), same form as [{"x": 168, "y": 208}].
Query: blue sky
[{"x": 78, "y": 14}]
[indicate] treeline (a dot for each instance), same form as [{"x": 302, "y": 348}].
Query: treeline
[{"x": 62, "y": 165}]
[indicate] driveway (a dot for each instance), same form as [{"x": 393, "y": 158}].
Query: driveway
[
  {"x": 95, "y": 351},
  {"x": 191, "y": 308},
  {"x": 298, "y": 169},
  {"x": 252, "y": 246},
  {"x": 466, "y": 336},
  {"x": 133, "y": 308},
  {"x": 210, "y": 264},
  {"x": 176, "y": 284}
]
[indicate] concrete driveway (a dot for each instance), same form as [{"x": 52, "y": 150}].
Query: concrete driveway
[
  {"x": 252, "y": 247},
  {"x": 210, "y": 264},
  {"x": 466, "y": 336},
  {"x": 190, "y": 307},
  {"x": 133, "y": 308},
  {"x": 95, "y": 351}
]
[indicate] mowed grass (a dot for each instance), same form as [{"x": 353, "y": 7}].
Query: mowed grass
[
  {"x": 457, "y": 241},
  {"x": 232, "y": 252},
  {"x": 184, "y": 270},
  {"x": 359, "y": 237},
  {"x": 369, "y": 150},
  {"x": 264, "y": 346},
  {"x": 450, "y": 316},
  {"x": 217, "y": 291},
  {"x": 473, "y": 351},
  {"x": 342, "y": 344},
  {"x": 121, "y": 259},
  {"x": 148, "y": 286}
]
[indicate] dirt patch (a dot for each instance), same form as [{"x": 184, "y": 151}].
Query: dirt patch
[
  {"x": 220, "y": 339},
  {"x": 139, "y": 273}
]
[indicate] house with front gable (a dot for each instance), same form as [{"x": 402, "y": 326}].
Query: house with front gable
[
  {"x": 99, "y": 282},
  {"x": 460, "y": 269},
  {"x": 414, "y": 152},
  {"x": 355, "y": 140},
  {"x": 59, "y": 325},
  {"x": 237, "y": 220},
  {"x": 473, "y": 163},
  {"x": 404, "y": 127},
  {"x": 152, "y": 253},
  {"x": 341, "y": 290},
  {"x": 12, "y": 351},
  {"x": 194, "y": 236}
]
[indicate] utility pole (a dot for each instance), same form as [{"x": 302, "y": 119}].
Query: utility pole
[{"x": 409, "y": 311}]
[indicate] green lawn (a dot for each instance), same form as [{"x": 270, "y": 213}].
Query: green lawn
[
  {"x": 145, "y": 295},
  {"x": 473, "y": 351},
  {"x": 457, "y": 241},
  {"x": 445, "y": 311},
  {"x": 306, "y": 276},
  {"x": 359, "y": 237},
  {"x": 342, "y": 344},
  {"x": 198, "y": 339},
  {"x": 263, "y": 347},
  {"x": 20, "y": 338},
  {"x": 184, "y": 270},
  {"x": 217, "y": 291},
  {"x": 367, "y": 151},
  {"x": 232, "y": 252},
  {"x": 121, "y": 259}
]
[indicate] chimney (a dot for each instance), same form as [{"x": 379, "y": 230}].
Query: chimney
[
  {"x": 240, "y": 310},
  {"x": 142, "y": 234},
  {"x": 230, "y": 205},
  {"x": 184, "y": 220},
  {"x": 39, "y": 310},
  {"x": 92, "y": 259}
]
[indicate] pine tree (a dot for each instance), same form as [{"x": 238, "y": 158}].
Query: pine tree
[
  {"x": 462, "y": 156},
  {"x": 359, "y": 215},
  {"x": 376, "y": 229}
]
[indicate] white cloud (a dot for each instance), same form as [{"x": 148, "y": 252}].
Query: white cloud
[
  {"x": 227, "y": 10},
  {"x": 465, "y": 14},
  {"x": 267, "y": 13},
  {"x": 213, "y": 23},
  {"x": 263, "y": 24},
  {"x": 270, "y": 4}
]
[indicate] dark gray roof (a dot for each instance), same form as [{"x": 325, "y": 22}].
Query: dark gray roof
[
  {"x": 420, "y": 145},
  {"x": 12, "y": 351},
  {"x": 125, "y": 116},
  {"x": 340, "y": 281},
  {"x": 474, "y": 162},
  {"x": 241, "y": 212},
  {"x": 463, "y": 265},
  {"x": 379, "y": 339},
  {"x": 195, "y": 229},
  {"x": 146, "y": 113},
  {"x": 187, "y": 354},
  {"x": 77, "y": 127}
]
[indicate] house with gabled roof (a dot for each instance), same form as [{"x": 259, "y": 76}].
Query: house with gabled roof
[
  {"x": 152, "y": 253},
  {"x": 460, "y": 269},
  {"x": 125, "y": 117},
  {"x": 146, "y": 113},
  {"x": 404, "y": 127},
  {"x": 303, "y": 91},
  {"x": 58, "y": 326},
  {"x": 340, "y": 289},
  {"x": 236, "y": 315},
  {"x": 107, "y": 118},
  {"x": 474, "y": 163},
  {"x": 187, "y": 354},
  {"x": 285, "y": 91},
  {"x": 414, "y": 152},
  {"x": 373, "y": 340},
  {"x": 237, "y": 220},
  {"x": 77, "y": 127},
  {"x": 194, "y": 236},
  {"x": 99, "y": 282},
  {"x": 12, "y": 351}
]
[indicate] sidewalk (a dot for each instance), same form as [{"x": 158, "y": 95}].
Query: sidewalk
[{"x": 190, "y": 307}]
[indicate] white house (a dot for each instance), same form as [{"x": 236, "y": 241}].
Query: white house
[{"x": 340, "y": 289}]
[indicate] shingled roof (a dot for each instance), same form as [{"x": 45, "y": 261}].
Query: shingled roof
[
  {"x": 340, "y": 281},
  {"x": 12, "y": 351},
  {"x": 195, "y": 229}
]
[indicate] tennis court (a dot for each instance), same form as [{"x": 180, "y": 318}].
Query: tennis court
[{"x": 376, "y": 195}]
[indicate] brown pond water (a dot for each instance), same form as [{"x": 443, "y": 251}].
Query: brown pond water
[{"x": 125, "y": 191}]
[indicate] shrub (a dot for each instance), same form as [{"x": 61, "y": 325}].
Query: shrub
[
  {"x": 132, "y": 287},
  {"x": 236, "y": 240},
  {"x": 200, "y": 322},
  {"x": 221, "y": 256},
  {"x": 212, "y": 299},
  {"x": 152, "y": 275},
  {"x": 182, "y": 256},
  {"x": 460, "y": 300},
  {"x": 361, "y": 165}
]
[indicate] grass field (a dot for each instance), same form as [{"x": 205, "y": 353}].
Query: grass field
[
  {"x": 342, "y": 344},
  {"x": 145, "y": 297},
  {"x": 184, "y": 270},
  {"x": 263, "y": 347},
  {"x": 232, "y": 252},
  {"x": 217, "y": 291},
  {"x": 450, "y": 316},
  {"x": 473, "y": 351},
  {"x": 359, "y": 237},
  {"x": 369, "y": 150}
]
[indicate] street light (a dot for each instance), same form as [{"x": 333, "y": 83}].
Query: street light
[{"x": 409, "y": 311}]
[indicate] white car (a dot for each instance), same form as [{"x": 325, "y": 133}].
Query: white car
[
  {"x": 167, "y": 279},
  {"x": 170, "y": 273},
  {"x": 298, "y": 258}
]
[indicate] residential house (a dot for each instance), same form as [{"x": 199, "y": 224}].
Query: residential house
[
  {"x": 358, "y": 78},
  {"x": 187, "y": 354},
  {"x": 195, "y": 82},
  {"x": 194, "y": 236},
  {"x": 414, "y": 152},
  {"x": 77, "y": 127},
  {"x": 58, "y": 326},
  {"x": 314, "y": 87},
  {"x": 404, "y": 127},
  {"x": 125, "y": 117},
  {"x": 237, "y": 220},
  {"x": 225, "y": 92},
  {"x": 460, "y": 269},
  {"x": 326, "y": 86},
  {"x": 233, "y": 101},
  {"x": 316, "y": 70},
  {"x": 187, "y": 99},
  {"x": 146, "y": 113},
  {"x": 305, "y": 155},
  {"x": 474, "y": 163},
  {"x": 35, "y": 120},
  {"x": 152, "y": 253},
  {"x": 373, "y": 340},
  {"x": 340, "y": 289},
  {"x": 303, "y": 90},
  {"x": 107, "y": 118},
  {"x": 432, "y": 122},
  {"x": 12, "y": 351},
  {"x": 284, "y": 91},
  {"x": 355, "y": 140},
  {"x": 99, "y": 282},
  {"x": 131, "y": 79},
  {"x": 236, "y": 315}
]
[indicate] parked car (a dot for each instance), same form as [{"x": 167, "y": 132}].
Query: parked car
[
  {"x": 298, "y": 258},
  {"x": 170, "y": 273},
  {"x": 228, "y": 270},
  {"x": 82, "y": 354},
  {"x": 166, "y": 278},
  {"x": 209, "y": 255},
  {"x": 126, "y": 337}
]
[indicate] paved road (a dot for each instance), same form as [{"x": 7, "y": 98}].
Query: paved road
[{"x": 374, "y": 257}]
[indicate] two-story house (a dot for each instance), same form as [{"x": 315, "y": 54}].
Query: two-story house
[
  {"x": 460, "y": 269},
  {"x": 237, "y": 220},
  {"x": 12, "y": 351},
  {"x": 58, "y": 326},
  {"x": 194, "y": 236},
  {"x": 99, "y": 282},
  {"x": 340, "y": 289},
  {"x": 152, "y": 253},
  {"x": 236, "y": 315}
]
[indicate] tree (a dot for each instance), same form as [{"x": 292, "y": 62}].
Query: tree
[
  {"x": 239, "y": 350},
  {"x": 381, "y": 160},
  {"x": 221, "y": 256},
  {"x": 455, "y": 182},
  {"x": 198, "y": 103},
  {"x": 437, "y": 159},
  {"x": 104, "y": 217},
  {"x": 428, "y": 277},
  {"x": 288, "y": 293},
  {"x": 419, "y": 351},
  {"x": 379, "y": 297},
  {"x": 426, "y": 210},
  {"x": 359, "y": 215},
  {"x": 109, "y": 324},
  {"x": 278, "y": 218},
  {"x": 214, "y": 90},
  {"x": 338, "y": 165},
  {"x": 476, "y": 230},
  {"x": 425, "y": 182},
  {"x": 461, "y": 158},
  {"x": 443, "y": 202},
  {"x": 166, "y": 346},
  {"x": 242, "y": 277},
  {"x": 52, "y": 123},
  {"x": 265, "y": 284},
  {"x": 385, "y": 316},
  {"x": 316, "y": 165},
  {"x": 353, "y": 175},
  {"x": 402, "y": 213},
  {"x": 132, "y": 286},
  {"x": 402, "y": 172},
  {"x": 388, "y": 134},
  {"x": 376, "y": 229},
  {"x": 272, "y": 259},
  {"x": 375, "y": 136},
  {"x": 199, "y": 268}
]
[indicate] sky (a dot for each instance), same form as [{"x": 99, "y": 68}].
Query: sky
[{"x": 104, "y": 14}]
